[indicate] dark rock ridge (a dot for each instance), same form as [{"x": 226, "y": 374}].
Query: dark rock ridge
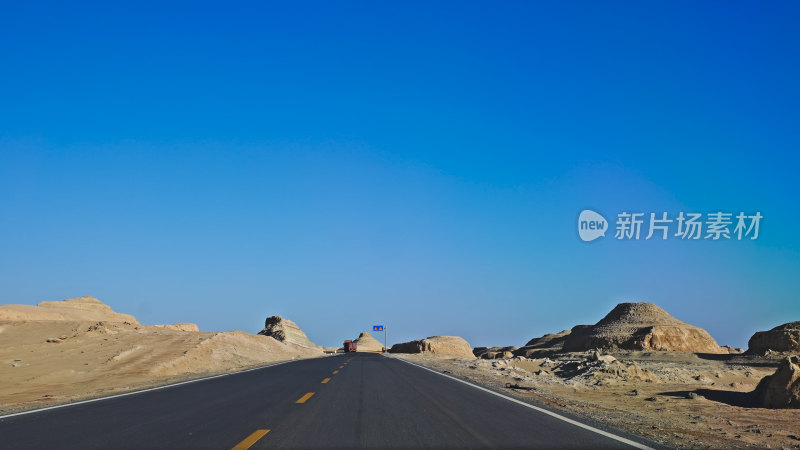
[{"x": 781, "y": 339}]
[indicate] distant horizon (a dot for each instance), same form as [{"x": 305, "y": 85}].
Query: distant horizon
[{"x": 310, "y": 333}]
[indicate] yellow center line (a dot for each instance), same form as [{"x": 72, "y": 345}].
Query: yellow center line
[
  {"x": 250, "y": 440},
  {"x": 305, "y": 398},
  {"x": 335, "y": 372},
  {"x": 341, "y": 367},
  {"x": 326, "y": 380}
]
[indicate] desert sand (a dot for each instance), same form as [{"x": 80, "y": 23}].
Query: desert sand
[{"x": 58, "y": 352}]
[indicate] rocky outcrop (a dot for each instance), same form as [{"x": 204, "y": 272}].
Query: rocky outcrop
[
  {"x": 444, "y": 346},
  {"x": 641, "y": 326},
  {"x": 548, "y": 344},
  {"x": 74, "y": 309},
  {"x": 180, "y": 327},
  {"x": 286, "y": 331},
  {"x": 781, "y": 339},
  {"x": 731, "y": 350},
  {"x": 494, "y": 352},
  {"x": 781, "y": 389},
  {"x": 367, "y": 343}
]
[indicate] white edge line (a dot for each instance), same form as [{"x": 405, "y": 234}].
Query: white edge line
[
  {"x": 141, "y": 391},
  {"x": 542, "y": 410}
]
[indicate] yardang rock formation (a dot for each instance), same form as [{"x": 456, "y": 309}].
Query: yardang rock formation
[
  {"x": 286, "y": 331},
  {"x": 781, "y": 389},
  {"x": 367, "y": 343},
  {"x": 448, "y": 346},
  {"x": 641, "y": 326},
  {"x": 783, "y": 338}
]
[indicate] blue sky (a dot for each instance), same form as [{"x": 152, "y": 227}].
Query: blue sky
[{"x": 417, "y": 165}]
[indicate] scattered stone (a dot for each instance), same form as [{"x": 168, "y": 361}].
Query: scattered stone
[
  {"x": 493, "y": 352},
  {"x": 517, "y": 386},
  {"x": 596, "y": 356}
]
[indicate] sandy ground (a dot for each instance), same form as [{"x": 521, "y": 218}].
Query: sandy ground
[
  {"x": 49, "y": 362},
  {"x": 683, "y": 400}
]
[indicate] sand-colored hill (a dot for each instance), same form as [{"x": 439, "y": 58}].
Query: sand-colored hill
[
  {"x": 641, "y": 326},
  {"x": 443, "y": 346},
  {"x": 286, "y": 331},
  {"x": 58, "y": 357},
  {"x": 183, "y": 326},
  {"x": 79, "y": 308},
  {"x": 221, "y": 351},
  {"x": 367, "y": 343},
  {"x": 781, "y": 339}
]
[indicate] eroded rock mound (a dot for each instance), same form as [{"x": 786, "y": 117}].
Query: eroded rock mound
[
  {"x": 286, "y": 331},
  {"x": 783, "y": 338},
  {"x": 74, "y": 309},
  {"x": 548, "y": 344},
  {"x": 445, "y": 346},
  {"x": 367, "y": 343},
  {"x": 641, "y": 326},
  {"x": 781, "y": 389}
]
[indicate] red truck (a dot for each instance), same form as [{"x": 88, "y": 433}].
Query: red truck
[{"x": 350, "y": 346}]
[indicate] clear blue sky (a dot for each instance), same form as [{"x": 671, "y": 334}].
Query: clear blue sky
[{"x": 420, "y": 165}]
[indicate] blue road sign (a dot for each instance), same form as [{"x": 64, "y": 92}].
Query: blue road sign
[{"x": 377, "y": 328}]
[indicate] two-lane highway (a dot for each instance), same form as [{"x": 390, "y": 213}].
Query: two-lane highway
[{"x": 357, "y": 400}]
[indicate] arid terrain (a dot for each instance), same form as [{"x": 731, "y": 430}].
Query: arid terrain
[
  {"x": 80, "y": 348},
  {"x": 638, "y": 369},
  {"x": 643, "y": 371},
  {"x": 681, "y": 399}
]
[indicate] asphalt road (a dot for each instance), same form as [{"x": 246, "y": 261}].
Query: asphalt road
[{"x": 359, "y": 400}]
